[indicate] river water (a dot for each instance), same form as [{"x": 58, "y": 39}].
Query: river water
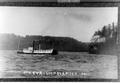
[{"x": 63, "y": 65}]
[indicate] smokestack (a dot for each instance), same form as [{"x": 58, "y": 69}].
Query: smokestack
[{"x": 33, "y": 46}]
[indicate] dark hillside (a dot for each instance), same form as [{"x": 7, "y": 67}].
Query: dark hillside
[{"x": 10, "y": 42}]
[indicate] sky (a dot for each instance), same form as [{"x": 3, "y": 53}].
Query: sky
[{"x": 77, "y": 22}]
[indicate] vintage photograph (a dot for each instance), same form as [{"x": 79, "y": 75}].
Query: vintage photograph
[{"x": 58, "y": 42}]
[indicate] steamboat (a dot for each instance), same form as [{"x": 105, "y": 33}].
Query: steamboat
[{"x": 32, "y": 50}]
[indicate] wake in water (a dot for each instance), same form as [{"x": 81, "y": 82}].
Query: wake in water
[{"x": 64, "y": 65}]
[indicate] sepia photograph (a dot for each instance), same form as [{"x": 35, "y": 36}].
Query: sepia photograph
[{"x": 59, "y": 42}]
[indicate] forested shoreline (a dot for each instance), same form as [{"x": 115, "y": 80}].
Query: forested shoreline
[
  {"x": 11, "y": 41},
  {"x": 105, "y": 41}
]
